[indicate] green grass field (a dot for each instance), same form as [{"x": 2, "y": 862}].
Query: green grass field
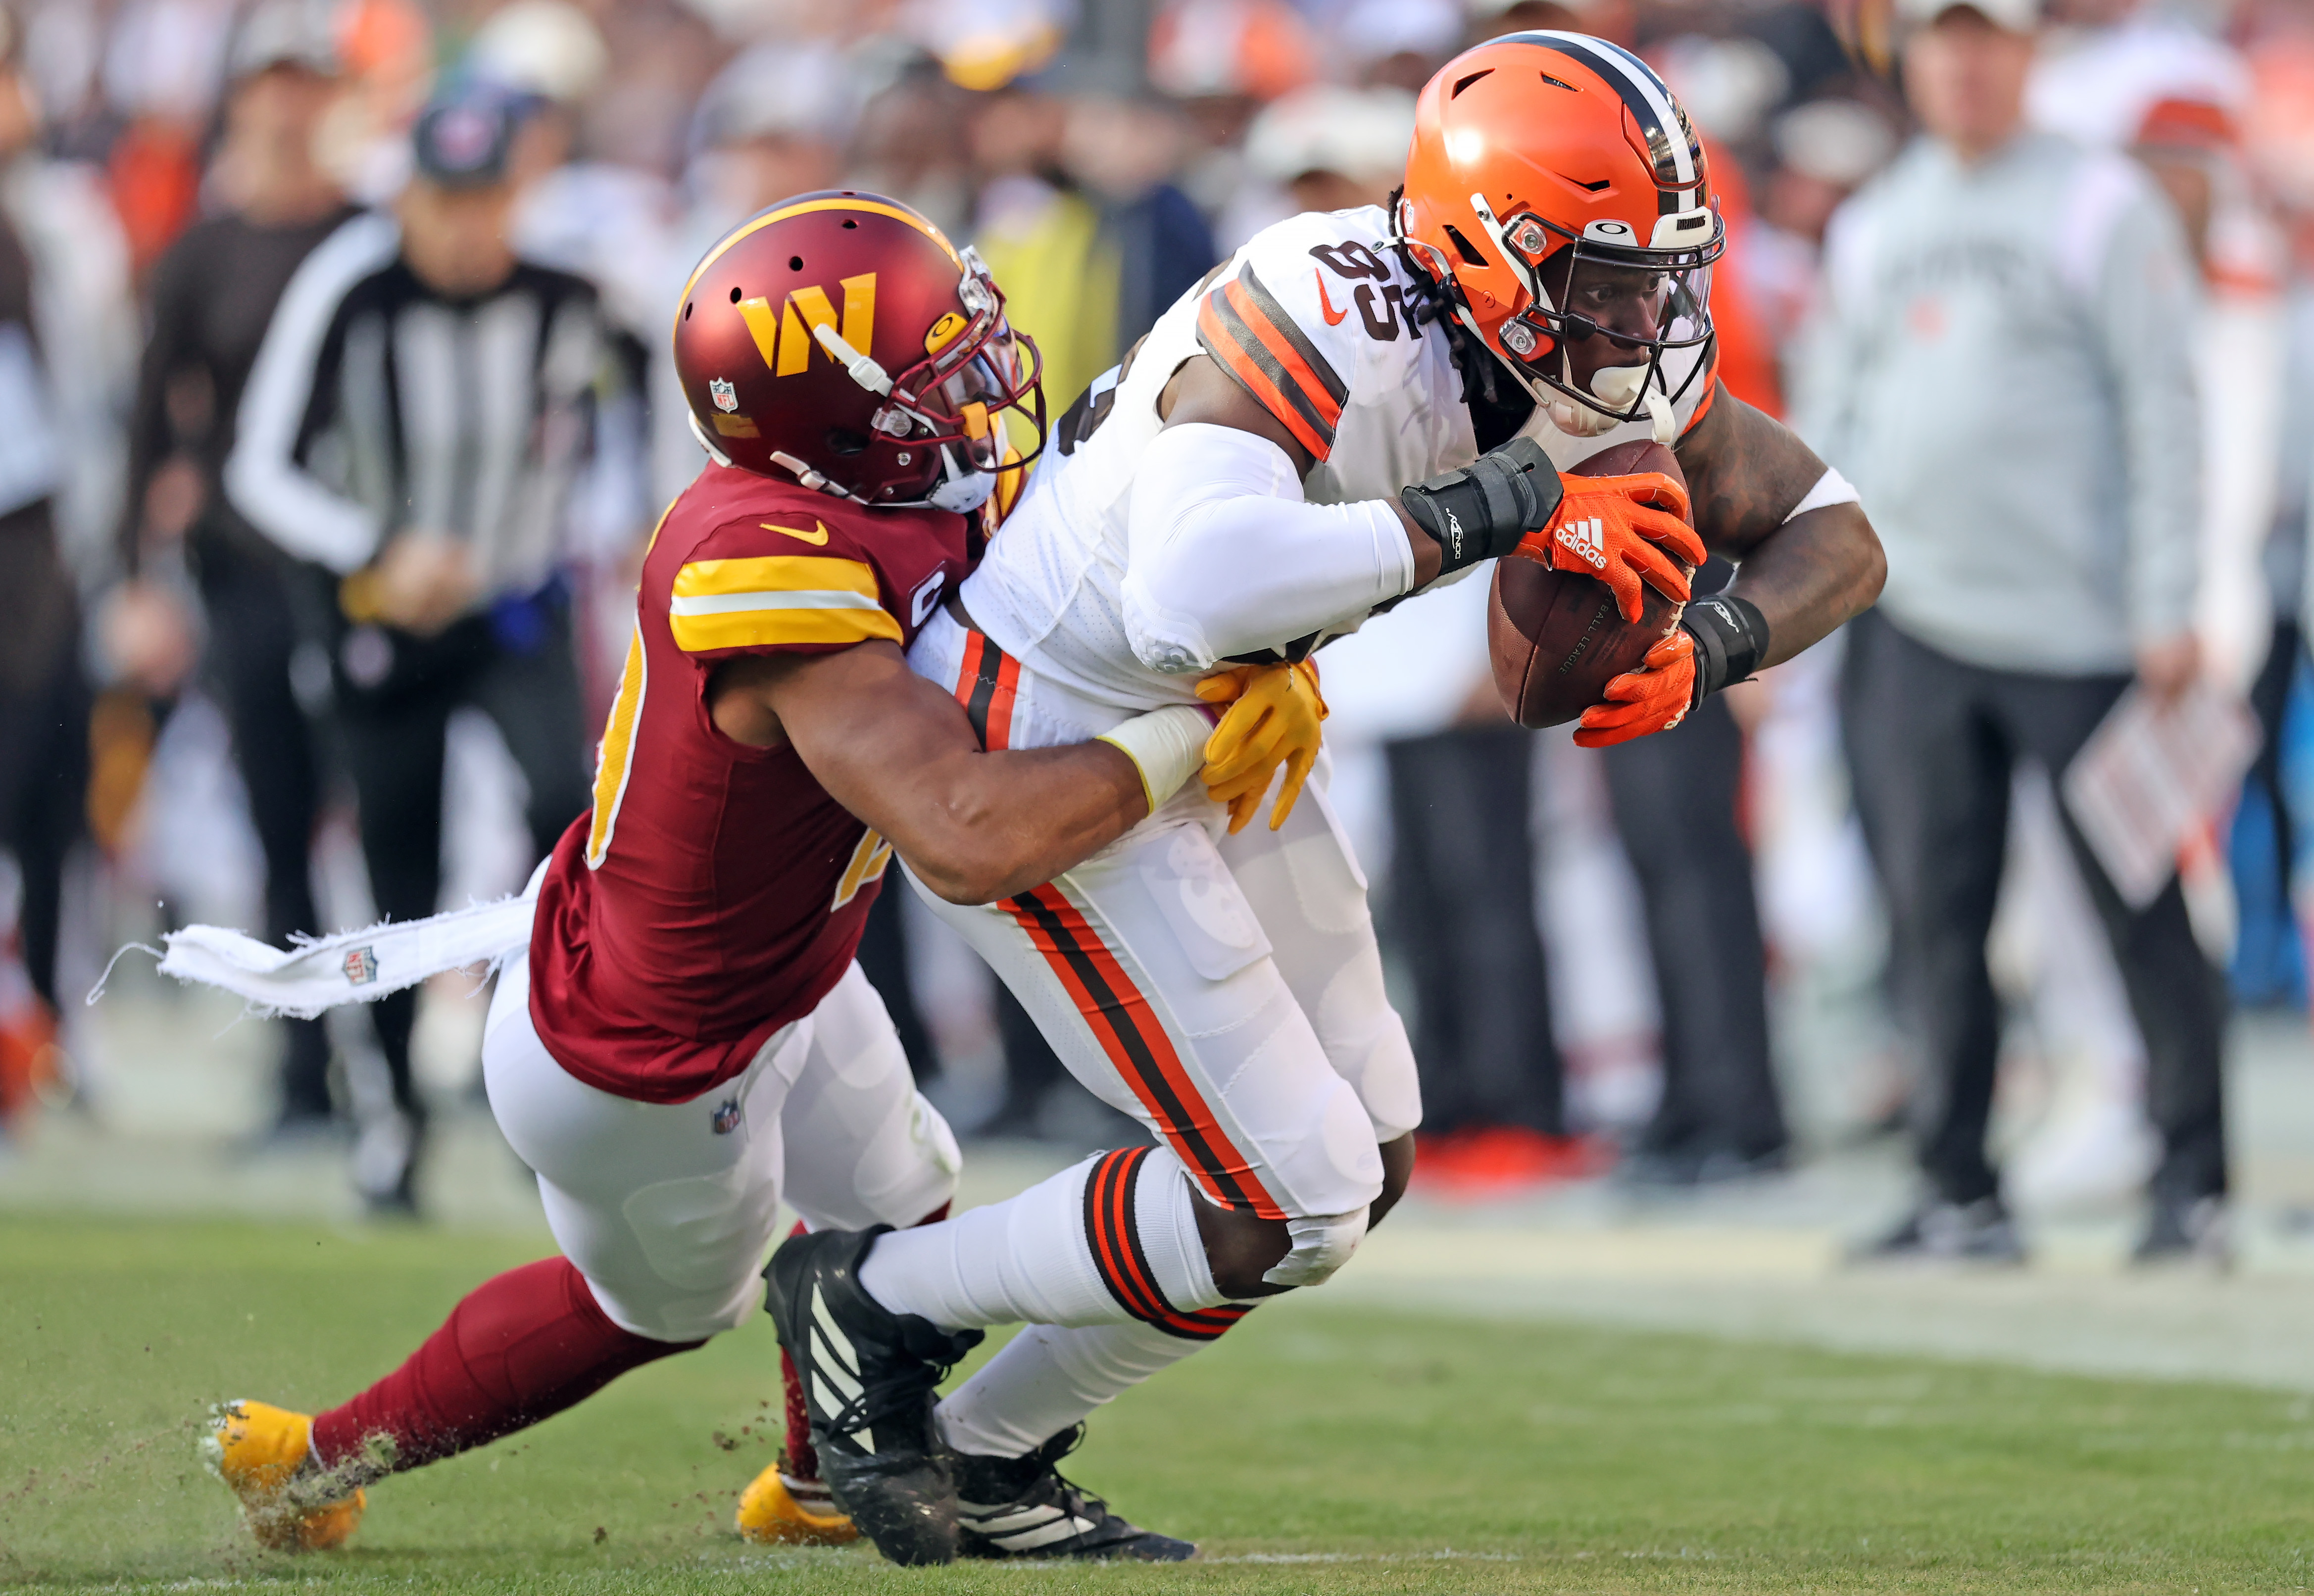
[{"x": 1316, "y": 1449}]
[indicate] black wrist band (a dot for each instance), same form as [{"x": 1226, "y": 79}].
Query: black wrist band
[
  {"x": 1731, "y": 639},
  {"x": 1481, "y": 511}
]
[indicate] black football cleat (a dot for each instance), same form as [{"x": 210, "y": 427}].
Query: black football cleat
[
  {"x": 1014, "y": 1508},
  {"x": 869, "y": 1377},
  {"x": 1940, "y": 1232}
]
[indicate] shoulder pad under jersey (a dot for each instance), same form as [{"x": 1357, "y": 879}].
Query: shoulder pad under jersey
[
  {"x": 780, "y": 576},
  {"x": 1292, "y": 314}
]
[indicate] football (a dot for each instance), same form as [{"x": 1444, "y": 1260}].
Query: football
[{"x": 1556, "y": 638}]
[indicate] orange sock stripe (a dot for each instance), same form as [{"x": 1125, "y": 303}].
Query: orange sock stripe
[
  {"x": 1129, "y": 1032},
  {"x": 1108, "y": 1221},
  {"x": 1124, "y": 1262}
]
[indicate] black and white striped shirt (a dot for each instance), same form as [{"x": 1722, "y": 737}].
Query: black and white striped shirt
[{"x": 378, "y": 405}]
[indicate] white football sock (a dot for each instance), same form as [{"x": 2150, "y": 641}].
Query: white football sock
[
  {"x": 1047, "y": 1378},
  {"x": 1033, "y": 1257}
]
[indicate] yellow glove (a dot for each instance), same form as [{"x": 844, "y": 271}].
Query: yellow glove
[{"x": 1274, "y": 711}]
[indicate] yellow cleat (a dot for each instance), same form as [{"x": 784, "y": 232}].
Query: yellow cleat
[
  {"x": 777, "y": 1511},
  {"x": 287, "y": 1500}
]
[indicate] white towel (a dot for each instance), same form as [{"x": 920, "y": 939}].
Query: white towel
[{"x": 353, "y": 967}]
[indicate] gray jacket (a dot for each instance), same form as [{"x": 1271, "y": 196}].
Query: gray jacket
[{"x": 2002, "y": 364}]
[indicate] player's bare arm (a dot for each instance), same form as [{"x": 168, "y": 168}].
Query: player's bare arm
[
  {"x": 1809, "y": 574},
  {"x": 899, "y": 753}
]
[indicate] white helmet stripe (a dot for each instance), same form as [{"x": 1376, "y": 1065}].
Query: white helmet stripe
[{"x": 1638, "y": 80}]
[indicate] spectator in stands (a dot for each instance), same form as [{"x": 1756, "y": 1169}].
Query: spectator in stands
[
  {"x": 213, "y": 295},
  {"x": 419, "y": 411},
  {"x": 2003, "y": 365}
]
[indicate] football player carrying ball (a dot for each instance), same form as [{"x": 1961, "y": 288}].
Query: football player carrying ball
[{"x": 1355, "y": 407}]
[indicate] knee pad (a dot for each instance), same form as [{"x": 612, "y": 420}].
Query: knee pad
[
  {"x": 908, "y": 1171},
  {"x": 1322, "y": 1243}
]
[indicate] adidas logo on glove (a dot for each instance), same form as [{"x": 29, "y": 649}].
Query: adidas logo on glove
[{"x": 1587, "y": 539}]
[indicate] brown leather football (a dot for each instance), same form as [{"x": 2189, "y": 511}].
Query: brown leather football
[{"x": 1557, "y": 638}]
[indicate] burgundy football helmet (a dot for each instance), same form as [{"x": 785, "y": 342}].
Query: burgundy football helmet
[{"x": 840, "y": 339}]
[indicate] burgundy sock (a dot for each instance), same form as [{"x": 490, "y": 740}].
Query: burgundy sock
[{"x": 519, "y": 1348}]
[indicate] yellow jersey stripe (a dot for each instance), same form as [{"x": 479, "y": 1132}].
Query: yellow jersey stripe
[
  {"x": 770, "y": 628},
  {"x": 775, "y": 573},
  {"x": 614, "y": 762}
]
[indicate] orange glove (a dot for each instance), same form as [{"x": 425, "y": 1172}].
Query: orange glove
[
  {"x": 1273, "y": 719},
  {"x": 1608, "y": 527},
  {"x": 1655, "y": 698}
]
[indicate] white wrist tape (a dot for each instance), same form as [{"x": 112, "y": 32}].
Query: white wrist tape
[
  {"x": 1166, "y": 746},
  {"x": 1831, "y": 489},
  {"x": 1322, "y": 1243}
]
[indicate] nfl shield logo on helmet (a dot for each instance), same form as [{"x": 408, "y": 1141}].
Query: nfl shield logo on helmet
[
  {"x": 726, "y": 397},
  {"x": 360, "y": 966}
]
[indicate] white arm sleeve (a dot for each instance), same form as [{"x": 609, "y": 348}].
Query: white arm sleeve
[
  {"x": 263, "y": 476},
  {"x": 1225, "y": 558}
]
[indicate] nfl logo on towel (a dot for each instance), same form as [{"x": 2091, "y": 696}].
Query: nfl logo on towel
[
  {"x": 361, "y": 966},
  {"x": 726, "y": 397},
  {"x": 727, "y": 1116}
]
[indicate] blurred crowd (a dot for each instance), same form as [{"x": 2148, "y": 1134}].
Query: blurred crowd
[{"x": 296, "y": 641}]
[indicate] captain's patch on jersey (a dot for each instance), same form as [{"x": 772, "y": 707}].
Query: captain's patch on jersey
[{"x": 776, "y": 600}]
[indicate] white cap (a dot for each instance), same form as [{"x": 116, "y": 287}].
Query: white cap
[
  {"x": 780, "y": 89},
  {"x": 1362, "y": 134},
  {"x": 2016, "y": 16},
  {"x": 1839, "y": 142},
  {"x": 547, "y": 47},
  {"x": 284, "y": 33}
]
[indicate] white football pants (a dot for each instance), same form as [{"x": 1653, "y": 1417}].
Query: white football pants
[
  {"x": 1225, "y": 991},
  {"x": 670, "y": 1209}
]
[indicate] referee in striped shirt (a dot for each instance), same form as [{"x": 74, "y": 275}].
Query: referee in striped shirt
[{"x": 421, "y": 410}]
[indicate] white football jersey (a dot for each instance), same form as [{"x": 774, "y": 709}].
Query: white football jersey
[{"x": 1312, "y": 317}]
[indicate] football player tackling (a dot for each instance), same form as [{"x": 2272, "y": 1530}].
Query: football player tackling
[
  {"x": 686, "y": 1041},
  {"x": 1355, "y": 407}
]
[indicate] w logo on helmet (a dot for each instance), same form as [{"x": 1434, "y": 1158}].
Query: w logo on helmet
[{"x": 785, "y": 340}]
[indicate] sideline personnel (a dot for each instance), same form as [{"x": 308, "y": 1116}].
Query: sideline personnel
[
  {"x": 2004, "y": 366},
  {"x": 420, "y": 409}
]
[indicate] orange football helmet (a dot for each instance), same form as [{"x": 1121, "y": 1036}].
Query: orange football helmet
[
  {"x": 841, "y": 339},
  {"x": 1551, "y": 176}
]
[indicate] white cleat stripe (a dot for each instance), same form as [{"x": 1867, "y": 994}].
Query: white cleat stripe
[
  {"x": 848, "y": 1355},
  {"x": 1000, "y": 1521},
  {"x": 1029, "y": 1540},
  {"x": 825, "y": 1365},
  {"x": 829, "y": 1404}
]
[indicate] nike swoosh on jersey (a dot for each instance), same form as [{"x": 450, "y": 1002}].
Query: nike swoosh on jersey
[
  {"x": 815, "y": 536},
  {"x": 1325, "y": 305}
]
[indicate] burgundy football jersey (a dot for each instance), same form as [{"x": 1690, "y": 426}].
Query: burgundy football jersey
[{"x": 715, "y": 892}]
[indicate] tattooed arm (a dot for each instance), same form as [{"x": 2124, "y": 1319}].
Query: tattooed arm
[{"x": 1745, "y": 472}]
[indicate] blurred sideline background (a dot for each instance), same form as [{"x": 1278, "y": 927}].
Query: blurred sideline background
[{"x": 1103, "y": 156}]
